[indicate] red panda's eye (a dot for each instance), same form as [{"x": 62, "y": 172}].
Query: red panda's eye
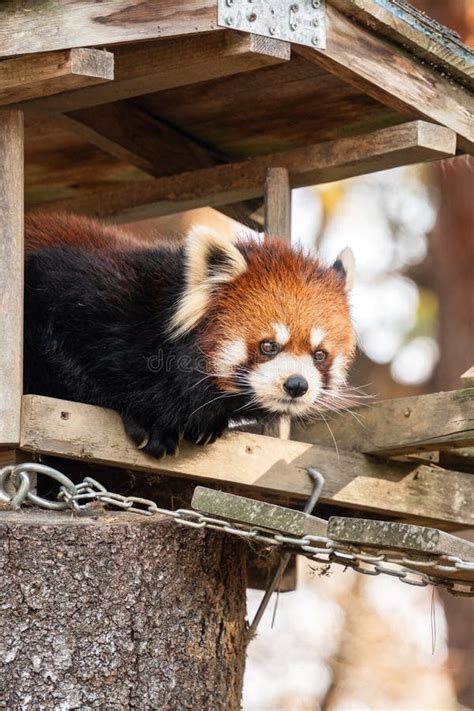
[
  {"x": 320, "y": 355},
  {"x": 269, "y": 348}
]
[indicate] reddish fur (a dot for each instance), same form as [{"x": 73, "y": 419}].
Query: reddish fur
[
  {"x": 49, "y": 230},
  {"x": 285, "y": 286}
]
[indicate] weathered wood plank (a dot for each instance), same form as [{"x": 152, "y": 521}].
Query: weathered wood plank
[
  {"x": 414, "y": 142},
  {"x": 467, "y": 378},
  {"x": 269, "y": 465},
  {"x": 257, "y": 513},
  {"x": 393, "y": 76},
  {"x": 50, "y": 73},
  {"x": 45, "y": 25},
  {"x": 278, "y": 203},
  {"x": 11, "y": 275},
  {"x": 397, "y": 427},
  {"x": 412, "y": 28},
  {"x": 134, "y": 136},
  {"x": 156, "y": 66},
  {"x": 277, "y": 221}
]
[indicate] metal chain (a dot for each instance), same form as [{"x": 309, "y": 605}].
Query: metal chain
[{"x": 319, "y": 549}]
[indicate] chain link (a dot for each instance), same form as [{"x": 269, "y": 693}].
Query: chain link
[{"x": 319, "y": 549}]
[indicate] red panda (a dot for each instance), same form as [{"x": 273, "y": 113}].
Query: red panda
[{"x": 180, "y": 339}]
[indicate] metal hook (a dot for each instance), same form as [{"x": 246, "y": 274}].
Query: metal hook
[{"x": 318, "y": 483}]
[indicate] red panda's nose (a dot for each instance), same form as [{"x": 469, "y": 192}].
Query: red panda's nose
[{"x": 296, "y": 385}]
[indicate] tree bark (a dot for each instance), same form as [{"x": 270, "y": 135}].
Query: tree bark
[{"x": 119, "y": 611}]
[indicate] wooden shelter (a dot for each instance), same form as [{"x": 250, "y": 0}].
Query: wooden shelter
[{"x": 129, "y": 110}]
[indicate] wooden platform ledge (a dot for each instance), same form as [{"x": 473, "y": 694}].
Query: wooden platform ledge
[{"x": 411, "y": 491}]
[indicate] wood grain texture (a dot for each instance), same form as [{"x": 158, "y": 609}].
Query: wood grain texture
[
  {"x": 131, "y": 134},
  {"x": 156, "y": 66},
  {"x": 396, "y": 427},
  {"x": 277, "y": 221},
  {"x": 11, "y": 275},
  {"x": 411, "y": 28},
  {"x": 45, "y": 25},
  {"x": 257, "y": 463},
  {"x": 414, "y": 142},
  {"x": 50, "y": 73},
  {"x": 393, "y": 76}
]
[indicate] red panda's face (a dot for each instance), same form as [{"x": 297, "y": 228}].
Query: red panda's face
[{"x": 274, "y": 323}]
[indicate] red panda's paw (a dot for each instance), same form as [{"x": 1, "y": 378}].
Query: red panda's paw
[
  {"x": 202, "y": 436},
  {"x": 157, "y": 442}
]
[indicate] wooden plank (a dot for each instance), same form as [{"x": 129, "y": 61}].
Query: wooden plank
[
  {"x": 278, "y": 203},
  {"x": 467, "y": 378},
  {"x": 134, "y": 136},
  {"x": 50, "y": 73},
  {"x": 408, "y": 26},
  {"x": 45, "y": 25},
  {"x": 257, "y": 513},
  {"x": 393, "y": 76},
  {"x": 156, "y": 66},
  {"x": 414, "y": 142},
  {"x": 277, "y": 222},
  {"x": 397, "y": 427},
  {"x": 256, "y": 463},
  {"x": 11, "y": 275}
]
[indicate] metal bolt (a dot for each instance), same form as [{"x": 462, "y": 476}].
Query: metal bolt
[
  {"x": 315, "y": 40},
  {"x": 229, "y": 3},
  {"x": 295, "y": 7},
  {"x": 293, "y": 25},
  {"x": 315, "y": 22},
  {"x": 229, "y": 21},
  {"x": 252, "y": 17},
  {"x": 316, "y": 4},
  {"x": 407, "y": 412},
  {"x": 272, "y": 30}
]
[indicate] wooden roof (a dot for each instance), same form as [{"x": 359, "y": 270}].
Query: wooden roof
[{"x": 187, "y": 95}]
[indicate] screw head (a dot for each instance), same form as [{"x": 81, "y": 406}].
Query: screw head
[
  {"x": 315, "y": 22},
  {"x": 315, "y": 40},
  {"x": 272, "y": 30},
  {"x": 229, "y": 3},
  {"x": 229, "y": 21},
  {"x": 295, "y": 7},
  {"x": 252, "y": 17},
  {"x": 293, "y": 25},
  {"x": 316, "y": 4}
]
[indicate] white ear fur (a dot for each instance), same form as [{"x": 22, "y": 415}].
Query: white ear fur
[
  {"x": 345, "y": 264},
  {"x": 210, "y": 259}
]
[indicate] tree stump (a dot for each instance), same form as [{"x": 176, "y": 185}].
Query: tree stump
[{"x": 119, "y": 611}]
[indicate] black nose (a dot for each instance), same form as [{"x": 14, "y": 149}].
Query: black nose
[{"x": 296, "y": 385}]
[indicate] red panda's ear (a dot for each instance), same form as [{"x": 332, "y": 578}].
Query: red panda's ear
[
  {"x": 345, "y": 265},
  {"x": 210, "y": 259}
]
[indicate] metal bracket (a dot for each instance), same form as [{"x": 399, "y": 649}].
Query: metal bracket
[{"x": 301, "y": 22}]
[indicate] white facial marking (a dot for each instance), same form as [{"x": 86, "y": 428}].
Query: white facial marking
[
  {"x": 268, "y": 378},
  {"x": 316, "y": 337},
  {"x": 232, "y": 354},
  {"x": 282, "y": 333},
  {"x": 338, "y": 371}
]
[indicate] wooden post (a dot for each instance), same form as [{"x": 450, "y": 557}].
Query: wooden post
[
  {"x": 11, "y": 275},
  {"x": 278, "y": 224},
  {"x": 120, "y": 611}
]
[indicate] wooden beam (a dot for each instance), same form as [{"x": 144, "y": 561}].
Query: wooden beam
[
  {"x": 51, "y": 73},
  {"x": 398, "y": 427},
  {"x": 127, "y": 132},
  {"x": 411, "y": 28},
  {"x": 133, "y": 135},
  {"x": 11, "y": 275},
  {"x": 392, "y": 76},
  {"x": 277, "y": 216},
  {"x": 45, "y": 25},
  {"x": 333, "y": 160},
  {"x": 156, "y": 66},
  {"x": 255, "y": 463}
]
